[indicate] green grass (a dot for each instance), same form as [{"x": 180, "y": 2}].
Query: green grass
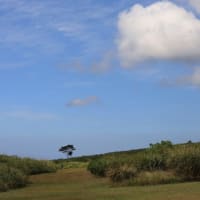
[
  {"x": 79, "y": 184},
  {"x": 181, "y": 161}
]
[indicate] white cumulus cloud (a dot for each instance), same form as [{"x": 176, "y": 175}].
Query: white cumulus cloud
[
  {"x": 195, "y": 4},
  {"x": 161, "y": 31}
]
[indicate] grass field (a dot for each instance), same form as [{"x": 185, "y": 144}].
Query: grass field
[{"x": 78, "y": 184}]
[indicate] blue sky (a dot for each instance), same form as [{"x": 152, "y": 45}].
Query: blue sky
[{"x": 102, "y": 75}]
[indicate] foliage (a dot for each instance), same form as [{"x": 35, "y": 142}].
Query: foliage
[
  {"x": 161, "y": 147},
  {"x": 27, "y": 165},
  {"x": 67, "y": 149},
  {"x": 32, "y": 167},
  {"x": 155, "y": 157},
  {"x": 186, "y": 162},
  {"x": 160, "y": 163},
  {"x": 11, "y": 178},
  {"x": 122, "y": 173},
  {"x": 150, "y": 161},
  {"x": 98, "y": 167},
  {"x": 14, "y": 170}
]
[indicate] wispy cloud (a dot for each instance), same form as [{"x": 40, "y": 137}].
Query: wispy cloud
[
  {"x": 28, "y": 115},
  {"x": 191, "y": 80},
  {"x": 98, "y": 67},
  {"x": 83, "y": 102},
  {"x": 32, "y": 26},
  {"x": 66, "y": 17}
]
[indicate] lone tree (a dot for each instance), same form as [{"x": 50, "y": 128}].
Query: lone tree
[{"x": 68, "y": 149}]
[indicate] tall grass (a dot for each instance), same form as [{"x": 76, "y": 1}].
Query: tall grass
[
  {"x": 11, "y": 178},
  {"x": 98, "y": 167},
  {"x": 186, "y": 162},
  {"x": 154, "y": 178},
  {"x": 14, "y": 171},
  {"x": 27, "y": 165},
  {"x": 160, "y": 163}
]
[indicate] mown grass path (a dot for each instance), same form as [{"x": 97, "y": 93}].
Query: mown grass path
[{"x": 78, "y": 184}]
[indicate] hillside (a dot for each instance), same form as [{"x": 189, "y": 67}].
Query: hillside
[{"x": 87, "y": 158}]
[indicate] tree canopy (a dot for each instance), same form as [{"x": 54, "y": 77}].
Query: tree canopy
[{"x": 67, "y": 149}]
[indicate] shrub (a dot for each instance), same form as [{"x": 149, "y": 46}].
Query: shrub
[
  {"x": 155, "y": 157},
  {"x": 32, "y": 167},
  {"x": 161, "y": 163},
  {"x": 186, "y": 162},
  {"x": 27, "y": 165},
  {"x": 14, "y": 170},
  {"x": 11, "y": 178},
  {"x": 98, "y": 167},
  {"x": 161, "y": 147},
  {"x": 150, "y": 161}
]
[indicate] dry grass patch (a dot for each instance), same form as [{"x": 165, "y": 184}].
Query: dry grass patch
[{"x": 155, "y": 178}]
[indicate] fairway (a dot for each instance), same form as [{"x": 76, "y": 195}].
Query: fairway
[{"x": 78, "y": 184}]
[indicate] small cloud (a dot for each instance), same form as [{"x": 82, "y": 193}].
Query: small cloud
[
  {"x": 83, "y": 102},
  {"x": 70, "y": 29}
]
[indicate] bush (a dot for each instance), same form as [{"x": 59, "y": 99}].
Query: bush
[
  {"x": 150, "y": 161},
  {"x": 98, "y": 167},
  {"x": 161, "y": 163},
  {"x": 14, "y": 170},
  {"x": 11, "y": 178},
  {"x": 27, "y": 165},
  {"x": 153, "y": 158},
  {"x": 186, "y": 162},
  {"x": 32, "y": 167}
]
